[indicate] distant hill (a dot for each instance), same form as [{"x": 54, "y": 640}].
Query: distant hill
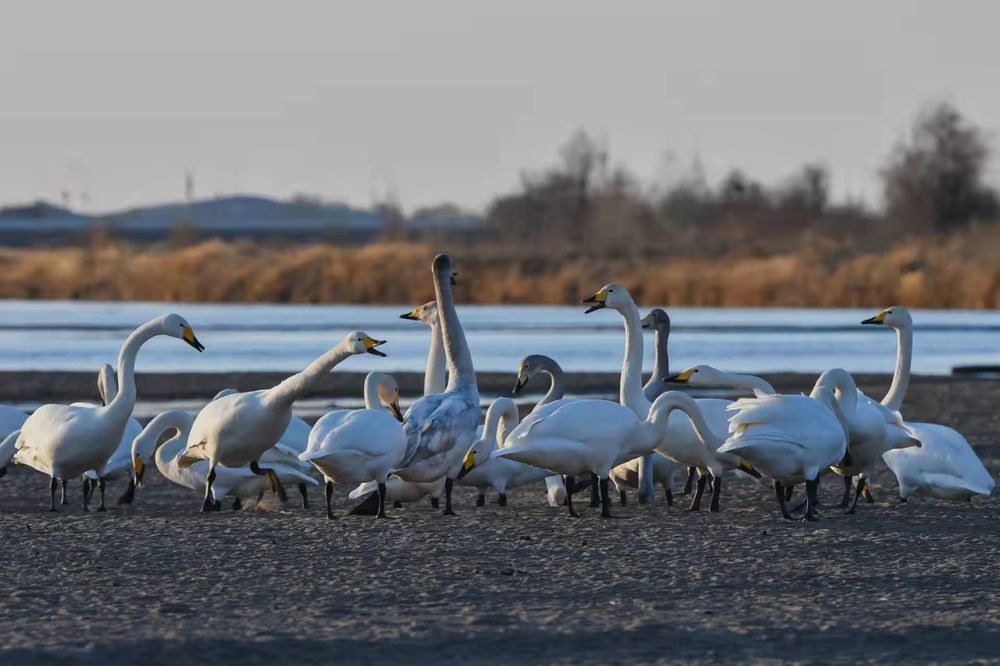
[{"x": 234, "y": 217}]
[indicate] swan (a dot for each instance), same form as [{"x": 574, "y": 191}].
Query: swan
[
  {"x": 441, "y": 427},
  {"x": 65, "y": 441},
  {"x": 238, "y": 483},
  {"x": 357, "y": 445},
  {"x": 594, "y": 436},
  {"x": 659, "y": 321},
  {"x": 119, "y": 465},
  {"x": 944, "y": 466},
  {"x": 236, "y": 429},
  {"x": 482, "y": 471},
  {"x": 790, "y": 438},
  {"x": 681, "y": 432},
  {"x": 436, "y": 372}
]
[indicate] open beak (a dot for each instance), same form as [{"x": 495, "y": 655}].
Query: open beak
[
  {"x": 192, "y": 340},
  {"x": 394, "y": 408},
  {"x": 679, "y": 378},
  {"x": 599, "y": 301},
  {"x": 467, "y": 464},
  {"x": 876, "y": 320},
  {"x": 412, "y": 316},
  {"x": 370, "y": 346},
  {"x": 519, "y": 384}
]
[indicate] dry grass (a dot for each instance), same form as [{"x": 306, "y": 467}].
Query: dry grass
[{"x": 961, "y": 271}]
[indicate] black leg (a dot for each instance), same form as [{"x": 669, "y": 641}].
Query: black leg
[
  {"x": 862, "y": 484},
  {"x": 502, "y": 499},
  {"x": 62, "y": 492},
  {"x": 209, "y": 503},
  {"x": 845, "y": 500},
  {"x": 100, "y": 486},
  {"x": 780, "y": 493},
  {"x": 237, "y": 504},
  {"x": 789, "y": 491},
  {"x": 811, "y": 500},
  {"x": 52, "y": 492},
  {"x": 397, "y": 504},
  {"x": 481, "y": 500},
  {"x": 449, "y": 484},
  {"x": 698, "y": 493},
  {"x": 329, "y": 500},
  {"x": 595, "y": 492},
  {"x": 272, "y": 479},
  {"x": 570, "y": 487},
  {"x": 668, "y": 495},
  {"x": 305, "y": 496},
  {"x": 435, "y": 503},
  {"x": 605, "y": 499},
  {"x": 622, "y": 497},
  {"x": 690, "y": 480},
  {"x": 716, "y": 494},
  {"x": 381, "y": 501}
]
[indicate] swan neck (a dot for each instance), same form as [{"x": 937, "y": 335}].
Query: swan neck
[
  {"x": 436, "y": 374},
  {"x": 901, "y": 376},
  {"x": 301, "y": 384},
  {"x": 557, "y": 385},
  {"x": 659, "y": 414},
  {"x": 509, "y": 419},
  {"x": 661, "y": 362},
  {"x": 460, "y": 370},
  {"x": 180, "y": 420},
  {"x": 123, "y": 403},
  {"x": 372, "y": 399},
  {"x": 752, "y": 383},
  {"x": 630, "y": 390}
]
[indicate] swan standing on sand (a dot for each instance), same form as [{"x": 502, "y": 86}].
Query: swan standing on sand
[
  {"x": 64, "y": 441},
  {"x": 240, "y": 483},
  {"x": 945, "y": 465},
  {"x": 440, "y": 428},
  {"x": 483, "y": 471},
  {"x": 237, "y": 429},
  {"x": 357, "y": 445}
]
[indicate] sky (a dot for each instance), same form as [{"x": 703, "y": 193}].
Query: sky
[{"x": 112, "y": 102}]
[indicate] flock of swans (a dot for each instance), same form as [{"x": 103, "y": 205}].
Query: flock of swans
[{"x": 243, "y": 444}]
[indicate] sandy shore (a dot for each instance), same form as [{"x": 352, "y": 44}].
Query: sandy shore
[{"x": 161, "y": 583}]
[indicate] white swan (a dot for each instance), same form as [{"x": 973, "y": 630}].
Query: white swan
[
  {"x": 358, "y": 445},
  {"x": 237, "y": 429},
  {"x": 659, "y": 322},
  {"x": 440, "y": 428},
  {"x": 64, "y": 441},
  {"x": 239, "y": 483},
  {"x": 436, "y": 372},
  {"x": 485, "y": 472},
  {"x": 944, "y": 466},
  {"x": 119, "y": 465},
  {"x": 790, "y": 438}
]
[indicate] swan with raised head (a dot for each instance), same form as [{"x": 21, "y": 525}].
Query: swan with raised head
[
  {"x": 440, "y": 428},
  {"x": 482, "y": 471},
  {"x": 944, "y": 466},
  {"x": 790, "y": 438},
  {"x": 358, "y": 445},
  {"x": 436, "y": 371},
  {"x": 238, "y": 483},
  {"x": 235, "y": 430},
  {"x": 659, "y": 322},
  {"x": 64, "y": 441}
]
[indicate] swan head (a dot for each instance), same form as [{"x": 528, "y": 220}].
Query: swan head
[
  {"x": 427, "y": 313},
  {"x": 176, "y": 326},
  {"x": 529, "y": 368},
  {"x": 612, "y": 296},
  {"x": 700, "y": 375},
  {"x": 106, "y": 384},
  {"x": 387, "y": 389},
  {"x": 895, "y": 317},
  {"x": 358, "y": 342},
  {"x": 657, "y": 320},
  {"x": 442, "y": 266}
]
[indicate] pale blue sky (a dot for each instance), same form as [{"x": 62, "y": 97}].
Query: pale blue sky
[{"x": 451, "y": 100}]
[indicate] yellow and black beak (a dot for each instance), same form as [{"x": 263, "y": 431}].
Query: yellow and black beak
[
  {"x": 749, "y": 469},
  {"x": 599, "y": 301},
  {"x": 413, "y": 315},
  {"x": 680, "y": 377},
  {"x": 371, "y": 344},
  {"x": 396, "y": 411},
  {"x": 878, "y": 319},
  {"x": 192, "y": 340},
  {"x": 140, "y": 469},
  {"x": 468, "y": 463},
  {"x": 519, "y": 385}
]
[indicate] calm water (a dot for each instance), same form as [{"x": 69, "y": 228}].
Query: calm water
[{"x": 74, "y": 335}]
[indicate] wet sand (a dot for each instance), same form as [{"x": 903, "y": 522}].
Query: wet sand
[{"x": 161, "y": 583}]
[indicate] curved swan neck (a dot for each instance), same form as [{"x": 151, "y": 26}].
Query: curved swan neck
[
  {"x": 123, "y": 403},
  {"x": 630, "y": 390},
  {"x": 557, "y": 386},
  {"x": 659, "y": 415},
  {"x": 501, "y": 417},
  {"x": 461, "y": 372},
  {"x": 372, "y": 399},
  {"x": 901, "y": 376},
  {"x": 436, "y": 373},
  {"x": 180, "y": 420},
  {"x": 302, "y": 383},
  {"x": 842, "y": 386}
]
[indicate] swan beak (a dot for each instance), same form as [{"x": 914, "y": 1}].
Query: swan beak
[
  {"x": 412, "y": 316},
  {"x": 599, "y": 301},
  {"x": 519, "y": 385},
  {"x": 191, "y": 340},
  {"x": 680, "y": 377},
  {"x": 371, "y": 344},
  {"x": 749, "y": 469},
  {"x": 468, "y": 463},
  {"x": 454, "y": 277},
  {"x": 877, "y": 319},
  {"x": 140, "y": 469},
  {"x": 647, "y": 321},
  {"x": 396, "y": 411}
]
